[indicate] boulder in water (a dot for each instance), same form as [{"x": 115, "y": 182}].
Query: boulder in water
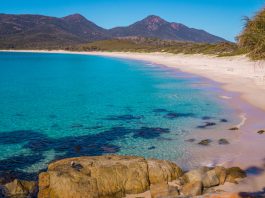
[
  {"x": 223, "y": 141},
  {"x": 21, "y": 188},
  {"x": 205, "y": 142},
  {"x": 261, "y": 132},
  {"x": 234, "y": 173}
]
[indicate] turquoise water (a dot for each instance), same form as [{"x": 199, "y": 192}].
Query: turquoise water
[{"x": 57, "y": 105}]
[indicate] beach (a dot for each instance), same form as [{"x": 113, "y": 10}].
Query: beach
[
  {"x": 243, "y": 82},
  {"x": 236, "y": 73},
  {"x": 243, "y": 78}
]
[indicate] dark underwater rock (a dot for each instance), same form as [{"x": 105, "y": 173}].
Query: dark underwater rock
[
  {"x": 124, "y": 117},
  {"x": 191, "y": 140},
  {"x": 171, "y": 115},
  {"x": 207, "y": 124},
  {"x": 206, "y": 118},
  {"x": 76, "y": 126},
  {"x": 205, "y": 142},
  {"x": 151, "y": 148},
  {"x": 174, "y": 115},
  {"x": 261, "y": 132},
  {"x": 160, "y": 111},
  {"x": 223, "y": 141},
  {"x": 234, "y": 129},
  {"x": 150, "y": 132}
]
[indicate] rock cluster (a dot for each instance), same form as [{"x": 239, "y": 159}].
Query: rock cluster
[
  {"x": 198, "y": 180},
  {"x": 114, "y": 176},
  {"x": 104, "y": 176},
  {"x": 19, "y": 189}
]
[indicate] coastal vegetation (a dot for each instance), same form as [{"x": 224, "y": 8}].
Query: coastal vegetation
[
  {"x": 252, "y": 39},
  {"x": 139, "y": 44}
]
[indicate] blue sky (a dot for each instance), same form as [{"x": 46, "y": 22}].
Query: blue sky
[{"x": 219, "y": 17}]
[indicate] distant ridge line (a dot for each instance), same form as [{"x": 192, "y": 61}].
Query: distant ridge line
[{"x": 39, "y": 31}]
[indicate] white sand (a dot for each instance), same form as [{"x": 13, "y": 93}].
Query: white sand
[{"x": 236, "y": 74}]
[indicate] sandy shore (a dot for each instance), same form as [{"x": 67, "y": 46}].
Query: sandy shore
[
  {"x": 237, "y": 73},
  {"x": 245, "y": 80}
]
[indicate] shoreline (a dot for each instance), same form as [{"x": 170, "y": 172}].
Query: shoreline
[
  {"x": 247, "y": 88},
  {"x": 248, "y": 82}
]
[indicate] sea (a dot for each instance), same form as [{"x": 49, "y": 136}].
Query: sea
[{"x": 54, "y": 106}]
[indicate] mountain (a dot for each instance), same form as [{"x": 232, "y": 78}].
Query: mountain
[
  {"x": 80, "y": 26},
  {"x": 154, "y": 26},
  {"x": 37, "y": 31},
  {"x": 25, "y": 31}
]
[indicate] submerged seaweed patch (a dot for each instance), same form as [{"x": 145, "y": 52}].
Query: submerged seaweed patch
[
  {"x": 206, "y": 118},
  {"x": 160, "y": 111},
  {"x": 171, "y": 114},
  {"x": 93, "y": 127},
  {"x": 76, "y": 126},
  {"x": 150, "y": 132},
  {"x": 151, "y": 147},
  {"x": 19, "y": 115},
  {"x": 55, "y": 126},
  {"x": 124, "y": 117},
  {"x": 39, "y": 143},
  {"x": 52, "y": 116},
  {"x": 13, "y": 164},
  {"x": 206, "y": 125}
]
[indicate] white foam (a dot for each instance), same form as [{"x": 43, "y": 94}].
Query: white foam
[
  {"x": 225, "y": 97},
  {"x": 243, "y": 117}
]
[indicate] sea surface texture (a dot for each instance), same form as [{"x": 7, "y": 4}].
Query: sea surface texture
[{"x": 54, "y": 106}]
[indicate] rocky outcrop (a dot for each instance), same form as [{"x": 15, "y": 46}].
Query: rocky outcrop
[
  {"x": 19, "y": 189},
  {"x": 221, "y": 174},
  {"x": 194, "y": 188},
  {"x": 114, "y": 176},
  {"x": 104, "y": 176},
  {"x": 163, "y": 190},
  {"x": 209, "y": 177},
  {"x": 162, "y": 171},
  {"x": 234, "y": 173}
]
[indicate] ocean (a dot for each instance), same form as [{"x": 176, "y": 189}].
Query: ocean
[{"x": 54, "y": 106}]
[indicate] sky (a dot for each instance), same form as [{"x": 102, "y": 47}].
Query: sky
[{"x": 219, "y": 17}]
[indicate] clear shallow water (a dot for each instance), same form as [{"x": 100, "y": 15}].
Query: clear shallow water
[{"x": 57, "y": 105}]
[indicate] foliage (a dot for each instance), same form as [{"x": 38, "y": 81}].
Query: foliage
[
  {"x": 137, "y": 44},
  {"x": 252, "y": 39}
]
